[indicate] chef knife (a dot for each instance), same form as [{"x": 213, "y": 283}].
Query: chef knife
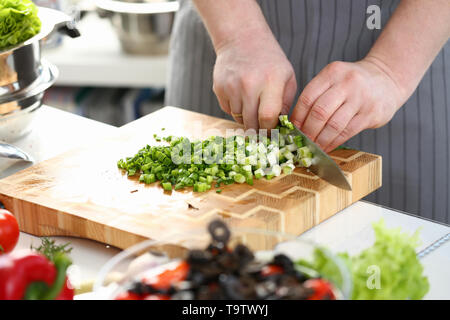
[{"x": 323, "y": 165}]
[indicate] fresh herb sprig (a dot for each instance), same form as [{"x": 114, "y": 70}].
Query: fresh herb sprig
[{"x": 51, "y": 250}]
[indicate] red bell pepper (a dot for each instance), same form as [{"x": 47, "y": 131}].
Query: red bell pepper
[
  {"x": 29, "y": 275},
  {"x": 67, "y": 291}
]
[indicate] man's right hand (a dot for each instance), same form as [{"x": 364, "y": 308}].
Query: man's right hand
[{"x": 253, "y": 80}]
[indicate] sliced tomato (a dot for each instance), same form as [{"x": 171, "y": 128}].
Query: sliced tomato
[
  {"x": 271, "y": 269},
  {"x": 128, "y": 296},
  {"x": 169, "y": 276},
  {"x": 157, "y": 297},
  {"x": 9, "y": 231},
  {"x": 322, "y": 289}
]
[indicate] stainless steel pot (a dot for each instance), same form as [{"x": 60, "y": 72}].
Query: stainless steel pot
[
  {"x": 20, "y": 66},
  {"x": 23, "y": 80},
  {"x": 143, "y": 27}
]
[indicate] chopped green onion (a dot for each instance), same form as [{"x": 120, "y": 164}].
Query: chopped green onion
[
  {"x": 304, "y": 152},
  {"x": 239, "y": 178},
  {"x": 298, "y": 140},
  {"x": 237, "y": 159},
  {"x": 149, "y": 178},
  {"x": 167, "y": 186},
  {"x": 259, "y": 173},
  {"x": 306, "y": 162},
  {"x": 287, "y": 169}
]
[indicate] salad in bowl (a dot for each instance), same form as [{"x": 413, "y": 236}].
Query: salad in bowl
[{"x": 226, "y": 266}]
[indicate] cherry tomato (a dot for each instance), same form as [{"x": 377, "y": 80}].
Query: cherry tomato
[
  {"x": 170, "y": 276},
  {"x": 322, "y": 289},
  {"x": 9, "y": 231},
  {"x": 270, "y": 270}
]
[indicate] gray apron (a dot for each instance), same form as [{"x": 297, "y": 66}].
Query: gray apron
[{"x": 414, "y": 145}]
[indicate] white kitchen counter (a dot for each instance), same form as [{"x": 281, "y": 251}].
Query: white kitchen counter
[
  {"x": 97, "y": 59},
  {"x": 349, "y": 230},
  {"x": 54, "y": 132}
]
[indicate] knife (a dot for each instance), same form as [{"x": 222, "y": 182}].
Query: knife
[
  {"x": 12, "y": 152},
  {"x": 324, "y": 166}
]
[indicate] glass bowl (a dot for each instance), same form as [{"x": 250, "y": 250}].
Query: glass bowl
[{"x": 133, "y": 263}]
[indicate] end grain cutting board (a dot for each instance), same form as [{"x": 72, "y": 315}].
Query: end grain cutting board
[{"x": 82, "y": 193}]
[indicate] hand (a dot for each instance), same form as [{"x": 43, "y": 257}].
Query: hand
[
  {"x": 254, "y": 81},
  {"x": 346, "y": 98}
]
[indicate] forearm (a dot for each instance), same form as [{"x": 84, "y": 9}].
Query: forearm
[
  {"x": 410, "y": 41},
  {"x": 231, "y": 20}
]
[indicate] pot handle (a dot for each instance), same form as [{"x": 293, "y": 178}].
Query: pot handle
[{"x": 69, "y": 29}]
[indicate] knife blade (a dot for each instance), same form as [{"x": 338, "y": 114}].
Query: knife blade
[{"x": 324, "y": 166}]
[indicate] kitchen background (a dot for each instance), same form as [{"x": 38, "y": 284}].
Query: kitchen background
[{"x": 98, "y": 78}]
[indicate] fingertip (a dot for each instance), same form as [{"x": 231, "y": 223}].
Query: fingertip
[
  {"x": 331, "y": 147},
  {"x": 268, "y": 121},
  {"x": 268, "y": 125},
  {"x": 296, "y": 123},
  {"x": 224, "y": 104},
  {"x": 238, "y": 119}
]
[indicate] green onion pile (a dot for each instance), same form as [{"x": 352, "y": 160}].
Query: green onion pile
[{"x": 218, "y": 160}]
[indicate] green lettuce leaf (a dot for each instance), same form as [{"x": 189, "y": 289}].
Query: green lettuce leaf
[
  {"x": 388, "y": 270},
  {"x": 18, "y": 22}
]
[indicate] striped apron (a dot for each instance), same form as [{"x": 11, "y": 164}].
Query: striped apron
[{"x": 414, "y": 145}]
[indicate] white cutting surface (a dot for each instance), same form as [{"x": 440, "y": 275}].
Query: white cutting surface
[{"x": 54, "y": 132}]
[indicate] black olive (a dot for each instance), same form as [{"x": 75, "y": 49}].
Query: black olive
[
  {"x": 208, "y": 293},
  {"x": 288, "y": 281},
  {"x": 230, "y": 287},
  {"x": 301, "y": 277},
  {"x": 285, "y": 262},
  {"x": 248, "y": 287},
  {"x": 219, "y": 232},
  {"x": 140, "y": 288},
  {"x": 228, "y": 262},
  {"x": 196, "y": 257},
  {"x": 197, "y": 278},
  {"x": 275, "y": 278},
  {"x": 243, "y": 254}
]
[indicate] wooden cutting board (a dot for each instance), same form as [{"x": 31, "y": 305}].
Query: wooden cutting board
[{"x": 82, "y": 193}]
